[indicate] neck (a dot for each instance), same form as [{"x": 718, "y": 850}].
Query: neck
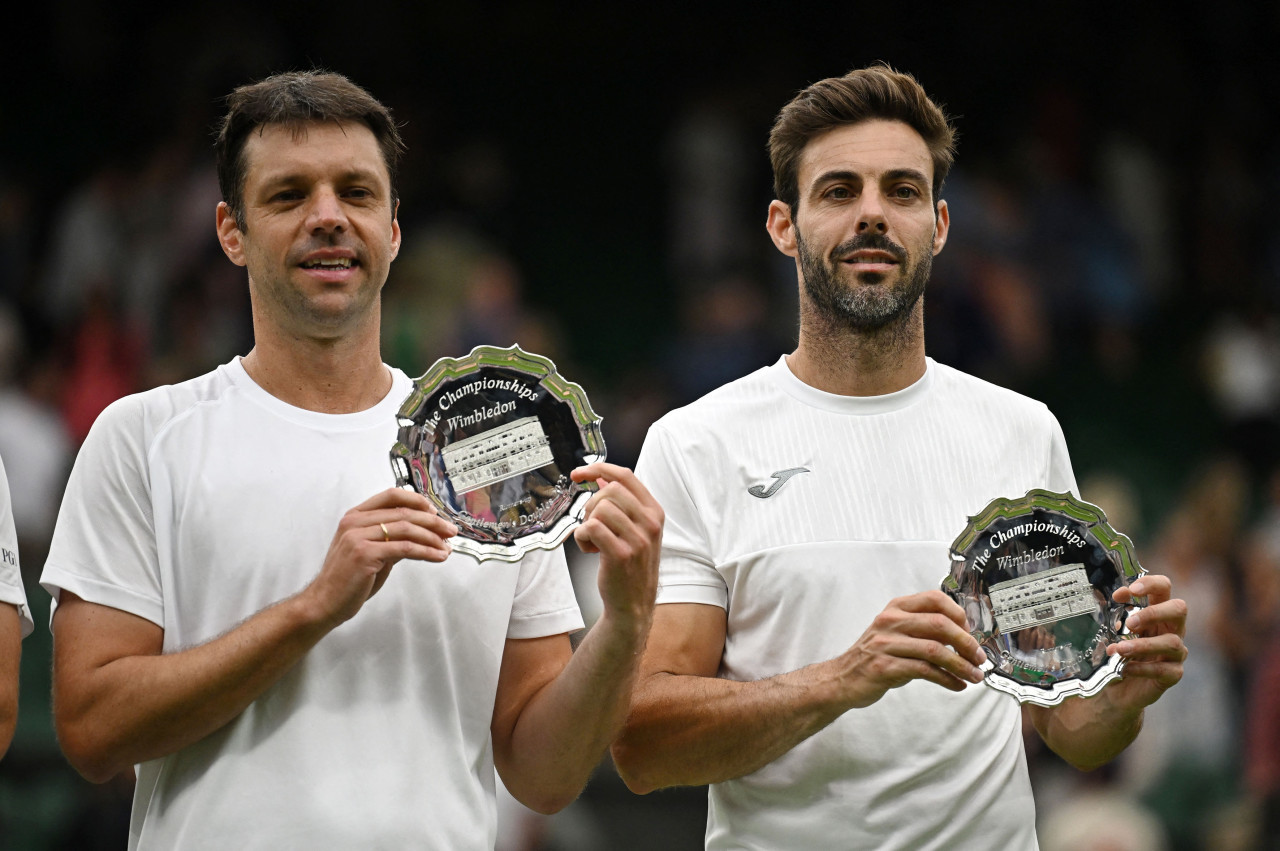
[
  {"x": 859, "y": 363},
  {"x": 331, "y": 376}
]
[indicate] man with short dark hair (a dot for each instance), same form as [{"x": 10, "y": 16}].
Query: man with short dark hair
[
  {"x": 230, "y": 624},
  {"x": 801, "y": 636}
]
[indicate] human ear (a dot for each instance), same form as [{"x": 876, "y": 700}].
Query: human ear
[
  {"x": 395, "y": 231},
  {"x": 781, "y": 227},
  {"x": 941, "y": 226},
  {"x": 230, "y": 236}
]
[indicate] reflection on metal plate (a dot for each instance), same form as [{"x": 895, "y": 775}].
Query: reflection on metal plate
[{"x": 499, "y": 453}]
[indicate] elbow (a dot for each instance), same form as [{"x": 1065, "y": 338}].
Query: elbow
[
  {"x": 544, "y": 798},
  {"x": 629, "y": 763},
  {"x": 87, "y": 753},
  {"x": 550, "y": 803},
  {"x": 1086, "y": 764},
  {"x": 8, "y": 721}
]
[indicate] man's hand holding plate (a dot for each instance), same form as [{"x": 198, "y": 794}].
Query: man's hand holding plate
[
  {"x": 623, "y": 523},
  {"x": 1155, "y": 652}
]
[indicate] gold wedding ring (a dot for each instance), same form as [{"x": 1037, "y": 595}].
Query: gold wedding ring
[{"x": 386, "y": 536}]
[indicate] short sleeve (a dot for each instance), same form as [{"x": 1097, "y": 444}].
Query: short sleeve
[
  {"x": 544, "y": 602},
  {"x": 11, "y": 590},
  {"x": 688, "y": 573},
  {"x": 104, "y": 544}
]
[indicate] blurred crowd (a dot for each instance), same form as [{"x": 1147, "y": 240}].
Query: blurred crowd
[{"x": 1089, "y": 266}]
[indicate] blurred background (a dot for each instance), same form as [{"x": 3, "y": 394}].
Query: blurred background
[{"x": 590, "y": 180}]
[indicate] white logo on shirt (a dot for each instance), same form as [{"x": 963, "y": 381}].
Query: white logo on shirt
[{"x": 782, "y": 476}]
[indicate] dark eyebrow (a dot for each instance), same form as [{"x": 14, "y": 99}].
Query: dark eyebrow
[
  {"x": 907, "y": 174},
  {"x": 894, "y": 174},
  {"x": 836, "y": 175},
  {"x": 291, "y": 178}
]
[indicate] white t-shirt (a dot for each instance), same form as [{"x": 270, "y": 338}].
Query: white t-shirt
[
  {"x": 196, "y": 506},
  {"x": 887, "y": 484},
  {"x": 11, "y": 590}
]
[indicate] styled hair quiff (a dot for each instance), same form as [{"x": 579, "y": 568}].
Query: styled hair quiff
[
  {"x": 294, "y": 99},
  {"x": 864, "y": 94}
]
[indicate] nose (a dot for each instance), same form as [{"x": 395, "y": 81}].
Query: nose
[
  {"x": 326, "y": 214},
  {"x": 871, "y": 213}
]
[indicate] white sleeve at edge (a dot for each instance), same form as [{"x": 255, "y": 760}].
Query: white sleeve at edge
[
  {"x": 544, "y": 602},
  {"x": 104, "y": 544},
  {"x": 1059, "y": 476},
  {"x": 687, "y": 573}
]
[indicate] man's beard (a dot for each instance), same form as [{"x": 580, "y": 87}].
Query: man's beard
[{"x": 864, "y": 304}]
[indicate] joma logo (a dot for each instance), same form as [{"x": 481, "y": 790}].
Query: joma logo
[{"x": 781, "y": 477}]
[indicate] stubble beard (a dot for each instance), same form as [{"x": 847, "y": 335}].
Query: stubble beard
[
  {"x": 319, "y": 317},
  {"x": 866, "y": 305}
]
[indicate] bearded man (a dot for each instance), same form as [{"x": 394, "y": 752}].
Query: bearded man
[{"x": 802, "y": 660}]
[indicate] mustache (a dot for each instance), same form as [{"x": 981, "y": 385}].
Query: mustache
[
  {"x": 870, "y": 242},
  {"x": 327, "y": 240}
]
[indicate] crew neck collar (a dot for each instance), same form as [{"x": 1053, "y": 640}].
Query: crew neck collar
[
  {"x": 382, "y": 412},
  {"x": 852, "y": 405}
]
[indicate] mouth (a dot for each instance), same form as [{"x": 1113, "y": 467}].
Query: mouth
[
  {"x": 330, "y": 263},
  {"x": 870, "y": 258}
]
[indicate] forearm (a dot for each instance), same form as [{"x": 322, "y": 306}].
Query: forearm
[
  {"x": 1087, "y": 732},
  {"x": 10, "y": 657},
  {"x": 566, "y": 727},
  {"x": 140, "y": 707},
  {"x": 692, "y": 730}
]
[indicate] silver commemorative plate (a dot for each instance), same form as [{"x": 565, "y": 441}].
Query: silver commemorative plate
[
  {"x": 1035, "y": 577},
  {"x": 490, "y": 439}
]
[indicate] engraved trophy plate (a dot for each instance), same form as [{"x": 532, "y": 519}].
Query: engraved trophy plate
[
  {"x": 490, "y": 439},
  {"x": 1035, "y": 577}
]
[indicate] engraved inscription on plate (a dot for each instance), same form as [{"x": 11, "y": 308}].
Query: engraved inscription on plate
[{"x": 1035, "y": 577}]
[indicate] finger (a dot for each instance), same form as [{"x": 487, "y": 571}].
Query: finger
[
  {"x": 917, "y": 669},
  {"x": 399, "y": 550},
  {"x": 397, "y": 497},
  {"x": 933, "y": 601},
  {"x": 955, "y": 661},
  {"x": 612, "y": 473},
  {"x": 617, "y": 515},
  {"x": 398, "y": 520},
  {"x": 640, "y": 526},
  {"x": 1167, "y": 646},
  {"x": 1164, "y": 673},
  {"x": 936, "y": 657},
  {"x": 613, "y": 492},
  {"x": 582, "y": 537},
  {"x": 941, "y": 637},
  {"x": 612, "y": 543},
  {"x": 599, "y": 470},
  {"x": 1154, "y": 586},
  {"x": 1170, "y": 615},
  {"x": 401, "y": 539}
]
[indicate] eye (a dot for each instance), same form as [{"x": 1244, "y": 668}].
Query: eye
[
  {"x": 286, "y": 196},
  {"x": 839, "y": 193},
  {"x": 906, "y": 192},
  {"x": 357, "y": 192}
]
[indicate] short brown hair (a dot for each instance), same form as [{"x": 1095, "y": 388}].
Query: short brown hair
[
  {"x": 877, "y": 92},
  {"x": 293, "y": 99}
]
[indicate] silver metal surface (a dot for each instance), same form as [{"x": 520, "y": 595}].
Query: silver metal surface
[
  {"x": 1035, "y": 576},
  {"x": 491, "y": 439}
]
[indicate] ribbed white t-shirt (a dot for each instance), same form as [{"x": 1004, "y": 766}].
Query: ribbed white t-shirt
[
  {"x": 887, "y": 484},
  {"x": 196, "y": 506}
]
